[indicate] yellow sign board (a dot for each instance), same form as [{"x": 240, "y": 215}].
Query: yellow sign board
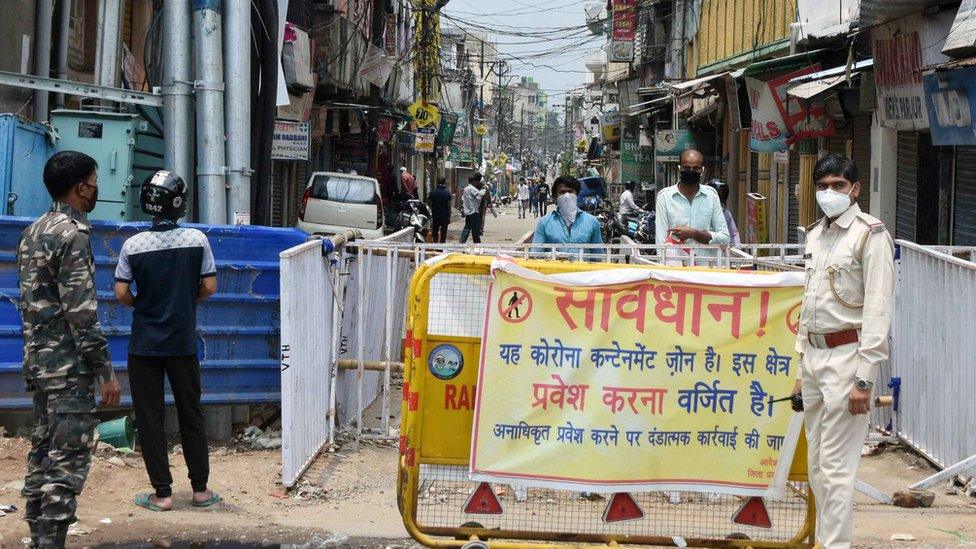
[
  {"x": 424, "y": 114},
  {"x": 635, "y": 380}
]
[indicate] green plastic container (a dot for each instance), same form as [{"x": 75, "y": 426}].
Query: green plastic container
[{"x": 118, "y": 432}]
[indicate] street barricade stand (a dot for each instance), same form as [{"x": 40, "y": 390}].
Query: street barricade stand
[{"x": 442, "y": 507}]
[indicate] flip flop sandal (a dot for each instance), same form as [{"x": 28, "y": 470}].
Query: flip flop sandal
[
  {"x": 214, "y": 498},
  {"x": 145, "y": 501}
]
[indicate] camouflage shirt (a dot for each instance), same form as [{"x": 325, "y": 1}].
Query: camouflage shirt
[{"x": 58, "y": 302}]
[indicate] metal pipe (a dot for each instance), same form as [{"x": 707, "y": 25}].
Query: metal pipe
[
  {"x": 107, "y": 60},
  {"x": 370, "y": 365},
  {"x": 237, "y": 75},
  {"x": 208, "y": 62},
  {"x": 177, "y": 91},
  {"x": 42, "y": 54},
  {"x": 64, "y": 27}
]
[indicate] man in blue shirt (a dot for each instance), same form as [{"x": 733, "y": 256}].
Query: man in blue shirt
[
  {"x": 690, "y": 212},
  {"x": 172, "y": 268},
  {"x": 568, "y": 225}
]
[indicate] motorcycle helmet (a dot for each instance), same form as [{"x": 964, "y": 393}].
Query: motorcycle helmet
[
  {"x": 721, "y": 188},
  {"x": 163, "y": 195}
]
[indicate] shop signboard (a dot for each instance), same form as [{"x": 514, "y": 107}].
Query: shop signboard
[
  {"x": 901, "y": 48},
  {"x": 779, "y": 119},
  {"x": 951, "y": 100},
  {"x": 636, "y": 162},
  {"x": 290, "y": 140},
  {"x": 624, "y": 31},
  {"x": 669, "y": 144},
  {"x": 425, "y": 139},
  {"x": 424, "y": 114}
]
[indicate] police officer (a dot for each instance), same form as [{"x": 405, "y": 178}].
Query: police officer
[
  {"x": 842, "y": 338},
  {"x": 65, "y": 353}
]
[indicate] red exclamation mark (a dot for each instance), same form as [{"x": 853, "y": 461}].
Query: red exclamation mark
[{"x": 763, "y": 313}]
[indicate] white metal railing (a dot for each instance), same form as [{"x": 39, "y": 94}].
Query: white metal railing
[
  {"x": 310, "y": 314},
  {"x": 933, "y": 345}
]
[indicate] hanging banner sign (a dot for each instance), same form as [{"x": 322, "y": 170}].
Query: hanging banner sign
[
  {"x": 901, "y": 48},
  {"x": 779, "y": 119},
  {"x": 425, "y": 139},
  {"x": 624, "y": 31},
  {"x": 424, "y": 114},
  {"x": 951, "y": 100},
  {"x": 638, "y": 379}
]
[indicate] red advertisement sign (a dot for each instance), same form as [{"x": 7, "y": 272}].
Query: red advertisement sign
[
  {"x": 624, "y": 20},
  {"x": 803, "y": 119}
]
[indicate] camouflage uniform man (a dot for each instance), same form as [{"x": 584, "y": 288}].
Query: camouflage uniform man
[{"x": 65, "y": 353}]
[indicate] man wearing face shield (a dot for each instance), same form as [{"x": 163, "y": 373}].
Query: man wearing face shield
[
  {"x": 690, "y": 212},
  {"x": 842, "y": 340},
  {"x": 568, "y": 224}
]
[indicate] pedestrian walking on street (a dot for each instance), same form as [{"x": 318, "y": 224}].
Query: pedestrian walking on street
[
  {"x": 408, "y": 182},
  {"x": 534, "y": 198},
  {"x": 568, "y": 224},
  {"x": 523, "y": 198},
  {"x": 173, "y": 269},
  {"x": 440, "y": 208},
  {"x": 722, "y": 189},
  {"x": 842, "y": 340},
  {"x": 471, "y": 202},
  {"x": 690, "y": 211},
  {"x": 65, "y": 353},
  {"x": 543, "y": 199}
]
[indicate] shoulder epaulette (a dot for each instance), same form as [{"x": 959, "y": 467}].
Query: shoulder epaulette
[{"x": 873, "y": 223}]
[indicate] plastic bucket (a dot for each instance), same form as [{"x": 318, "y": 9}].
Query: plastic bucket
[{"x": 118, "y": 432}]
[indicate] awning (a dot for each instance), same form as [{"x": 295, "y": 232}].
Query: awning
[
  {"x": 692, "y": 85},
  {"x": 789, "y": 62},
  {"x": 640, "y": 108},
  {"x": 810, "y": 89},
  {"x": 810, "y": 85},
  {"x": 857, "y": 67}
]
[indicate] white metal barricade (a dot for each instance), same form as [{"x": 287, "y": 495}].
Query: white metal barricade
[
  {"x": 933, "y": 345},
  {"x": 309, "y": 337}
]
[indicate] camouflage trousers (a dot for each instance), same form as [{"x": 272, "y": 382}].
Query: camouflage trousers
[{"x": 60, "y": 456}]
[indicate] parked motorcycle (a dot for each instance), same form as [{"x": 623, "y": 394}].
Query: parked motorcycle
[
  {"x": 639, "y": 228},
  {"x": 416, "y": 214}
]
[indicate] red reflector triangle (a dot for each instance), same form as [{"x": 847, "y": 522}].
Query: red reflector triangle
[
  {"x": 622, "y": 507},
  {"x": 753, "y": 512},
  {"x": 483, "y": 501}
]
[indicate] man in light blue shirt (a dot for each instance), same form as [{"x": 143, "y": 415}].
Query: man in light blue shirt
[
  {"x": 568, "y": 225},
  {"x": 690, "y": 212}
]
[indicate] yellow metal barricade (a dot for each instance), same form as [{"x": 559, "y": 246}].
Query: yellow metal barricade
[{"x": 446, "y": 307}]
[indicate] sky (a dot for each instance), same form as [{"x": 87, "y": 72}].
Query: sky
[{"x": 544, "y": 39}]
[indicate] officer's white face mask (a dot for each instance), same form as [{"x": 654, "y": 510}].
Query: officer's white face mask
[{"x": 834, "y": 203}]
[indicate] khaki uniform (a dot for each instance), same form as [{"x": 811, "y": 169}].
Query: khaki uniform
[{"x": 850, "y": 276}]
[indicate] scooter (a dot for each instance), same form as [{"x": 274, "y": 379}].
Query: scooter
[
  {"x": 414, "y": 213},
  {"x": 639, "y": 228}
]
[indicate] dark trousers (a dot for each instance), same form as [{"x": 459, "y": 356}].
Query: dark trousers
[
  {"x": 439, "y": 230},
  {"x": 146, "y": 381},
  {"x": 473, "y": 225},
  {"x": 60, "y": 455}
]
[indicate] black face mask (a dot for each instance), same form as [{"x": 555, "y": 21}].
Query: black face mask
[
  {"x": 93, "y": 199},
  {"x": 690, "y": 177}
]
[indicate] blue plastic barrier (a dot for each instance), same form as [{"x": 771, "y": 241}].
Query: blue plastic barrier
[{"x": 238, "y": 328}]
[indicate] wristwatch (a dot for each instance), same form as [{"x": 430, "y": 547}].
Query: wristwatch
[{"x": 864, "y": 384}]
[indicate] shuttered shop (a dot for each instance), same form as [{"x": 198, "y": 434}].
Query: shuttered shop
[
  {"x": 964, "y": 198},
  {"x": 907, "y": 190},
  {"x": 861, "y": 154},
  {"x": 793, "y": 215}
]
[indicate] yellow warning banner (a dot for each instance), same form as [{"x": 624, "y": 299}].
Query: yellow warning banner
[{"x": 638, "y": 379}]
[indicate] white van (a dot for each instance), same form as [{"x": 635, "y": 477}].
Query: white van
[{"x": 334, "y": 202}]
